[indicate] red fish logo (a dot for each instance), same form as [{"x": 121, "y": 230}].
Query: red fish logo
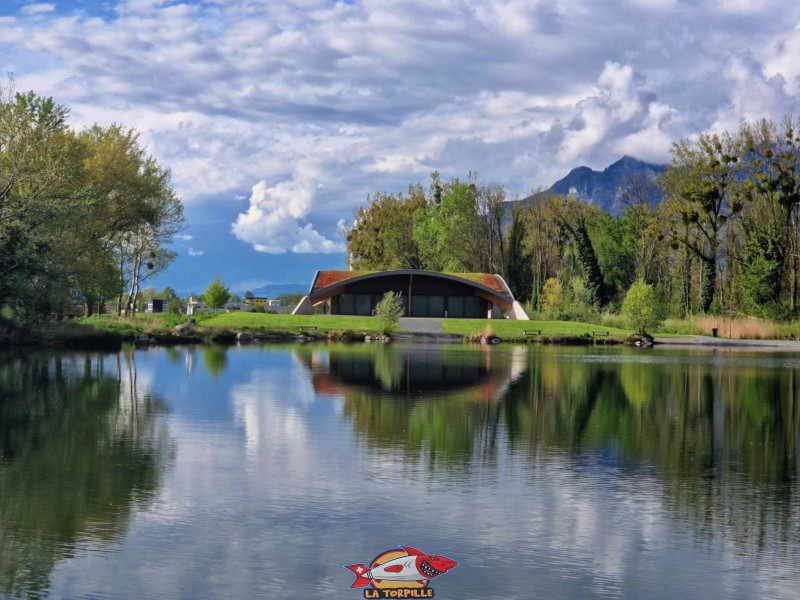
[{"x": 408, "y": 569}]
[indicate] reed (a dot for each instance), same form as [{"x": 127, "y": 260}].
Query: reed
[{"x": 740, "y": 328}]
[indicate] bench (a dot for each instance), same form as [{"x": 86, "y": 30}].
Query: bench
[
  {"x": 529, "y": 332},
  {"x": 596, "y": 333}
]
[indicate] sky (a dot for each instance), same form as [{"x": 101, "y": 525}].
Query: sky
[{"x": 278, "y": 118}]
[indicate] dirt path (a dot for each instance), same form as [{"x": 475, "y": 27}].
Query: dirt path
[{"x": 417, "y": 325}]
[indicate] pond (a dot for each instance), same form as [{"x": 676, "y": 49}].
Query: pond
[{"x": 261, "y": 471}]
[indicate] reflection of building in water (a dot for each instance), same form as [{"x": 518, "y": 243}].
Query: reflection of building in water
[
  {"x": 406, "y": 371},
  {"x": 437, "y": 402}
]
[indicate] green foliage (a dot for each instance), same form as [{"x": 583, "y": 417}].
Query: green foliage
[
  {"x": 761, "y": 274},
  {"x": 175, "y": 306},
  {"x": 519, "y": 259},
  {"x": 389, "y": 310},
  {"x": 382, "y": 235},
  {"x": 82, "y": 215},
  {"x": 598, "y": 294},
  {"x": 616, "y": 247},
  {"x": 642, "y": 308},
  {"x": 447, "y": 233},
  {"x": 216, "y": 294},
  {"x": 552, "y": 296},
  {"x": 290, "y": 299},
  {"x": 702, "y": 186},
  {"x": 726, "y": 237},
  {"x": 456, "y": 227}
]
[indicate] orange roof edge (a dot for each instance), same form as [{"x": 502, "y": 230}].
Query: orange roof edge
[{"x": 327, "y": 278}]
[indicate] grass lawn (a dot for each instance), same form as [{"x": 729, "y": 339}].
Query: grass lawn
[
  {"x": 295, "y": 324},
  {"x": 289, "y": 323},
  {"x": 514, "y": 329}
]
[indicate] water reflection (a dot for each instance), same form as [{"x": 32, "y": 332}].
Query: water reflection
[
  {"x": 432, "y": 399},
  {"x": 81, "y": 447},
  {"x": 215, "y": 359},
  {"x": 575, "y": 472},
  {"x": 720, "y": 436}
]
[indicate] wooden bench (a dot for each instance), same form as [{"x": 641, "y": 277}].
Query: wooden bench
[
  {"x": 530, "y": 332},
  {"x": 596, "y": 333}
]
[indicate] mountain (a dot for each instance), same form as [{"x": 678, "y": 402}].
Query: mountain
[
  {"x": 272, "y": 290},
  {"x": 602, "y": 187}
]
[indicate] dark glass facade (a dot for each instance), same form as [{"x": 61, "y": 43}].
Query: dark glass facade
[{"x": 430, "y": 297}]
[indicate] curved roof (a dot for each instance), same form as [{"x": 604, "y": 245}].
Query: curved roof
[{"x": 327, "y": 283}]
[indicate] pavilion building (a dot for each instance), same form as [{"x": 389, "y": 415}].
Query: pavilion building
[{"x": 423, "y": 293}]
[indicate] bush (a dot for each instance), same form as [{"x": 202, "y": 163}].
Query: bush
[
  {"x": 552, "y": 296},
  {"x": 175, "y": 306},
  {"x": 642, "y": 308},
  {"x": 389, "y": 310}
]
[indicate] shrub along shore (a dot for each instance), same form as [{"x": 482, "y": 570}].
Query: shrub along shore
[{"x": 110, "y": 332}]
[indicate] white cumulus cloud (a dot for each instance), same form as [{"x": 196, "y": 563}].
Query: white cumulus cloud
[
  {"x": 38, "y": 8},
  {"x": 376, "y": 95},
  {"x": 272, "y": 223}
]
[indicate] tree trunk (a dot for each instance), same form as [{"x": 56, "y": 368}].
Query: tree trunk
[{"x": 708, "y": 284}]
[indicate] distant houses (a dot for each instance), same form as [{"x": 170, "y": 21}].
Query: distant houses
[
  {"x": 261, "y": 302},
  {"x": 195, "y": 305}
]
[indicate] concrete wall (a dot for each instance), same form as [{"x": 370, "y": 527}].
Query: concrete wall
[
  {"x": 303, "y": 307},
  {"x": 518, "y": 313}
]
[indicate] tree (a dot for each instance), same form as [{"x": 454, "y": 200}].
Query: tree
[
  {"x": 545, "y": 241},
  {"x": 133, "y": 211},
  {"x": 518, "y": 271},
  {"x": 248, "y": 294},
  {"x": 389, "y": 310},
  {"x": 381, "y": 237},
  {"x": 552, "y": 297},
  {"x": 175, "y": 306},
  {"x": 167, "y": 293},
  {"x": 700, "y": 184},
  {"x": 642, "y": 308},
  {"x": 216, "y": 294},
  {"x": 574, "y": 215},
  {"x": 615, "y": 244},
  {"x": 771, "y": 193},
  {"x": 40, "y": 209},
  {"x": 448, "y": 234},
  {"x": 640, "y": 194}
]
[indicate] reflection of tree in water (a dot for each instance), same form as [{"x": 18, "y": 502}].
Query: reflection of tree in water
[
  {"x": 435, "y": 402},
  {"x": 723, "y": 439},
  {"x": 718, "y": 440},
  {"x": 215, "y": 359},
  {"x": 81, "y": 446}
]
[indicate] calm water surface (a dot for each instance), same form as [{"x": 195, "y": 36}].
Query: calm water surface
[{"x": 257, "y": 472}]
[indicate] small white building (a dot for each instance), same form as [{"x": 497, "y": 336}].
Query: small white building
[{"x": 195, "y": 306}]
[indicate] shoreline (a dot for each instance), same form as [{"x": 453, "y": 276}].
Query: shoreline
[
  {"x": 699, "y": 341},
  {"x": 91, "y": 338}
]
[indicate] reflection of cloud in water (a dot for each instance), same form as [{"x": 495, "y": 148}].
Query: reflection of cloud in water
[
  {"x": 269, "y": 409},
  {"x": 274, "y": 508}
]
